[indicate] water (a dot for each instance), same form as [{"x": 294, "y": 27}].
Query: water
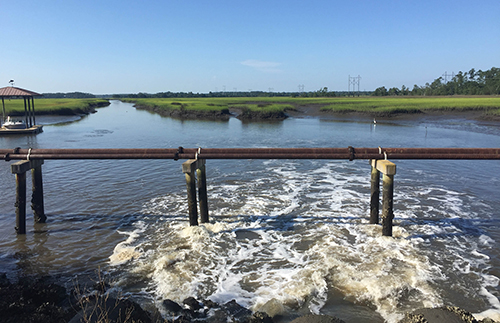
[{"x": 291, "y": 230}]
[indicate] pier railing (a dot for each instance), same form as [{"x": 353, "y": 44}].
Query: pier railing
[{"x": 194, "y": 170}]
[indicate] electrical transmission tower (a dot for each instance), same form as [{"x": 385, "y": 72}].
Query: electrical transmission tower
[
  {"x": 446, "y": 76},
  {"x": 301, "y": 88},
  {"x": 354, "y": 80}
]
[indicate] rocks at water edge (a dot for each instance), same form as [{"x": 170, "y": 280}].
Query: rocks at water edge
[
  {"x": 313, "y": 318},
  {"x": 211, "y": 312},
  {"x": 445, "y": 314}
]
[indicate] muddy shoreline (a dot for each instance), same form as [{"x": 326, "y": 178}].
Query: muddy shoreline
[{"x": 316, "y": 112}]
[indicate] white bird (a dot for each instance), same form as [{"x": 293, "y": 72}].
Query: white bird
[{"x": 374, "y": 121}]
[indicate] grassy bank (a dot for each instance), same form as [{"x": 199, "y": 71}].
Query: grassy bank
[
  {"x": 277, "y": 107},
  {"x": 219, "y": 108},
  {"x": 377, "y": 106},
  {"x": 55, "y": 106}
]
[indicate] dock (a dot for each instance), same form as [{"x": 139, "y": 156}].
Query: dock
[{"x": 27, "y": 126}]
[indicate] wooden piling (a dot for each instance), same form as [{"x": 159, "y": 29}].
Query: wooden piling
[
  {"x": 21, "y": 203},
  {"x": 202, "y": 193},
  {"x": 375, "y": 196},
  {"x": 191, "y": 195},
  {"x": 37, "y": 195},
  {"x": 19, "y": 169},
  {"x": 190, "y": 168},
  {"x": 388, "y": 169},
  {"x": 387, "y": 203}
]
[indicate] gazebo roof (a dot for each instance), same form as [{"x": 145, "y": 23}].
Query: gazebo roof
[{"x": 9, "y": 91}]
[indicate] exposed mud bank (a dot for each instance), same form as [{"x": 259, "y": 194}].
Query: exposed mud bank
[{"x": 223, "y": 115}]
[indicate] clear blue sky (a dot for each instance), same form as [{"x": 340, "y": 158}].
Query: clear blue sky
[{"x": 200, "y": 46}]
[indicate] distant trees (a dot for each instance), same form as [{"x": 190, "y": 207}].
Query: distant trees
[
  {"x": 464, "y": 83},
  {"x": 380, "y": 91},
  {"x": 202, "y": 95},
  {"x": 323, "y": 92},
  {"x": 69, "y": 95}
]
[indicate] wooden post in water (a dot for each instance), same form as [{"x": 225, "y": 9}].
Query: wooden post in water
[
  {"x": 387, "y": 201},
  {"x": 37, "y": 195},
  {"x": 388, "y": 169},
  {"x": 21, "y": 203},
  {"x": 202, "y": 192},
  {"x": 190, "y": 168},
  {"x": 19, "y": 169},
  {"x": 375, "y": 195}
]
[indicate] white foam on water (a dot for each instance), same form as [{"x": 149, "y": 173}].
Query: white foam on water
[
  {"x": 124, "y": 251},
  {"x": 292, "y": 236}
]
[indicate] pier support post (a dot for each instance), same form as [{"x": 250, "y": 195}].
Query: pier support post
[
  {"x": 388, "y": 169},
  {"x": 21, "y": 203},
  {"x": 190, "y": 168},
  {"x": 374, "y": 196},
  {"x": 387, "y": 201},
  {"x": 19, "y": 169},
  {"x": 202, "y": 193},
  {"x": 37, "y": 195}
]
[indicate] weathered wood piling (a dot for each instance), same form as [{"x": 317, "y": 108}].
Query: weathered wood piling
[
  {"x": 388, "y": 169},
  {"x": 191, "y": 168},
  {"x": 37, "y": 195},
  {"x": 19, "y": 169}
]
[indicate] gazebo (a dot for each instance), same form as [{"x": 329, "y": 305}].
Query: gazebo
[{"x": 29, "y": 109}]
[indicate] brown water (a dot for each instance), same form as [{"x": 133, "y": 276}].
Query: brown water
[{"x": 291, "y": 230}]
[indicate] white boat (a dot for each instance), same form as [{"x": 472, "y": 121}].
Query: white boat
[{"x": 13, "y": 124}]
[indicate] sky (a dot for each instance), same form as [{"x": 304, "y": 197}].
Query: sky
[{"x": 125, "y": 46}]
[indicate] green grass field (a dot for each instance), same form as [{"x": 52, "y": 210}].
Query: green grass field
[{"x": 15, "y": 107}]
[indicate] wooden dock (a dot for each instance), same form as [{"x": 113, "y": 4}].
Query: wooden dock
[{"x": 28, "y": 131}]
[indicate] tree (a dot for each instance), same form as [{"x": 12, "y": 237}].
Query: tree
[
  {"x": 393, "y": 91},
  {"x": 381, "y": 91}
]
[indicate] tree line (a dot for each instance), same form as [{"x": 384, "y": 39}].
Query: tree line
[
  {"x": 69, "y": 95},
  {"x": 464, "y": 83}
]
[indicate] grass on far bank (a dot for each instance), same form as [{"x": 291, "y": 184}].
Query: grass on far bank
[
  {"x": 375, "y": 106},
  {"x": 403, "y": 105},
  {"x": 15, "y": 107},
  {"x": 261, "y": 105}
]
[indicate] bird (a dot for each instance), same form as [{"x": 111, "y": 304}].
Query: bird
[{"x": 374, "y": 121}]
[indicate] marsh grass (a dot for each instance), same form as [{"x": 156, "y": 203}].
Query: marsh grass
[
  {"x": 261, "y": 105},
  {"x": 367, "y": 105},
  {"x": 398, "y": 105},
  {"x": 55, "y": 106}
]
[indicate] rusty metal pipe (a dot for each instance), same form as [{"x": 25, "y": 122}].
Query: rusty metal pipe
[{"x": 255, "y": 153}]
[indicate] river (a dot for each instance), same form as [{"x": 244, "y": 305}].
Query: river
[{"x": 291, "y": 230}]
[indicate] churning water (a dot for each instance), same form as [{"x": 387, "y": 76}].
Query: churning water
[{"x": 292, "y": 231}]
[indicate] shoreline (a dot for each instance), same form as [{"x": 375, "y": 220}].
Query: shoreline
[
  {"x": 42, "y": 299},
  {"x": 63, "y": 111},
  {"x": 315, "y": 111}
]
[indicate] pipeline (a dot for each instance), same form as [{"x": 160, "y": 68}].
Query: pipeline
[{"x": 349, "y": 153}]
